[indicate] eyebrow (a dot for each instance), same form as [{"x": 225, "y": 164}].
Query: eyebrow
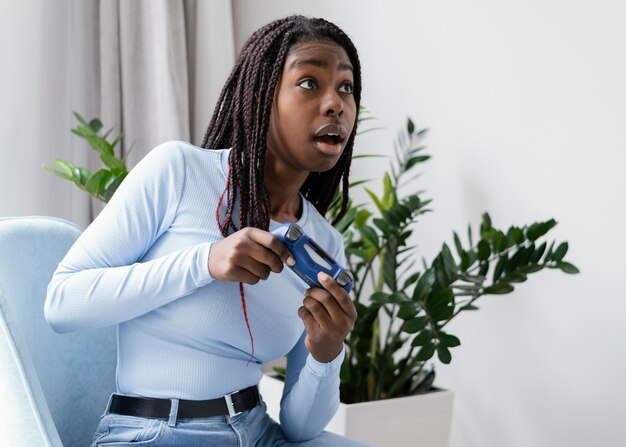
[{"x": 317, "y": 63}]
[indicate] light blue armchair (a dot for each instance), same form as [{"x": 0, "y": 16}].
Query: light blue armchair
[{"x": 53, "y": 388}]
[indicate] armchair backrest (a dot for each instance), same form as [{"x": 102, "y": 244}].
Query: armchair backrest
[{"x": 61, "y": 382}]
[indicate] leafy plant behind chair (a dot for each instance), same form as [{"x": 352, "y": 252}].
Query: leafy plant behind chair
[{"x": 104, "y": 182}]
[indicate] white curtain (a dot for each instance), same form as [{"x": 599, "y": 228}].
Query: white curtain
[
  {"x": 153, "y": 69},
  {"x": 136, "y": 66}
]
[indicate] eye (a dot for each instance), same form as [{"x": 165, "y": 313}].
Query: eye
[
  {"x": 348, "y": 88},
  {"x": 310, "y": 82}
]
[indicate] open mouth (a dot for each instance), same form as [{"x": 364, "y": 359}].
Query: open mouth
[
  {"x": 329, "y": 144},
  {"x": 329, "y": 139}
]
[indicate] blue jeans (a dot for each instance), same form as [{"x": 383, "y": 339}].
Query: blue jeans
[{"x": 250, "y": 428}]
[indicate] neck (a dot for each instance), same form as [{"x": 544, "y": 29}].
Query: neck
[{"x": 283, "y": 186}]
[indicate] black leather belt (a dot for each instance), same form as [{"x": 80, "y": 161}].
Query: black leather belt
[{"x": 231, "y": 404}]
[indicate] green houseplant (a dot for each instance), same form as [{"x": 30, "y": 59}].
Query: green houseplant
[
  {"x": 419, "y": 303},
  {"x": 104, "y": 182}
]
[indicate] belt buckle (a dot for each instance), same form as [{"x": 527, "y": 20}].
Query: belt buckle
[{"x": 230, "y": 405}]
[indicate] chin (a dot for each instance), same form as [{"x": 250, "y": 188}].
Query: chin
[{"x": 325, "y": 165}]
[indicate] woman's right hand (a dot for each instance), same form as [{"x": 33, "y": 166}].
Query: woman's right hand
[{"x": 248, "y": 256}]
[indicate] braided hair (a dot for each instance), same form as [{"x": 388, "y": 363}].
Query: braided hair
[
  {"x": 242, "y": 115},
  {"x": 241, "y": 121}
]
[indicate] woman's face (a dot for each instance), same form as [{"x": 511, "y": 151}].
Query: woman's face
[{"x": 314, "y": 111}]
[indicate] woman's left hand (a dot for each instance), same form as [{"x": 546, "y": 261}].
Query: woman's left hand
[{"x": 328, "y": 315}]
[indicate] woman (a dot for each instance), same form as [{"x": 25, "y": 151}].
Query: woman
[{"x": 183, "y": 261}]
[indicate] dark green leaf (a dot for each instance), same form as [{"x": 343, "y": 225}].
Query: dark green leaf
[
  {"x": 469, "y": 307},
  {"x": 537, "y": 253},
  {"x": 415, "y": 160},
  {"x": 440, "y": 305},
  {"x": 95, "y": 125},
  {"x": 500, "y": 267},
  {"x": 370, "y": 235},
  {"x": 560, "y": 252},
  {"x": 465, "y": 261},
  {"x": 499, "y": 289},
  {"x": 379, "y": 298},
  {"x": 457, "y": 243},
  {"x": 530, "y": 268},
  {"x": 422, "y": 338},
  {"x": 448, "y": 340},
  {"x": 410, "y": 127},
  {"x": 442, "y": 274},
  {"x": 448, "y": 260},
  {"x": 515, "y": 236},
  {"x": 399, "y": 298},
  {"x": 500, "y": 242},
  {"x": 382, "y": 225},
  {"x": 488, "y": 234},
  {"x": 424, "y": 285},
  {"x": 484, "y": 268},
  {"x": 567, "y": 267},
  {"x": 426, "y": 352},
  {"x": 444, "y": 354},
  {"x": 483, "y": 250},
  {"x": 526, "y": 254},
  {"x": 512, "y": 263},
  {"x": 538, "y": 229},
  {"x": 411, "y": 279},
  {"x": 515, "y": 277},
  {"x": 414, "y": 325},
  {"x": 407, "y": 311},
  {"x": 486, "y": 223}
]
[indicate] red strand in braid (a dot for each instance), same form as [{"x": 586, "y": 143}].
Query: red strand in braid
[{"x": 243, "y": 298}]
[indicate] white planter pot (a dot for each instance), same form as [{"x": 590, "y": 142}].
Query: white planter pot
[{"x": 422, "y": 420}]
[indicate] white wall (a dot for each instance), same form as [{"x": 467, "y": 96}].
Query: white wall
[{"x": 525, "y": 102}]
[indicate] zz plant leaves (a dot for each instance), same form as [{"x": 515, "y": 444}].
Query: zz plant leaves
[
  {"x": 390, "y": 359},
  {"x": 105, "y": 181}
]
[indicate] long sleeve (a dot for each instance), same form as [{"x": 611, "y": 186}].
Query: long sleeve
[
  {"x": 101, "y": 280},
  {"x": 311, "y": 393}
]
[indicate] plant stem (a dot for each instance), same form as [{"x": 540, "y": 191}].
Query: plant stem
[{"x": 367, "y": 269}]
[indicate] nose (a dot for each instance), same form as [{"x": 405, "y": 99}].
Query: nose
[{"x": 332, "y": 104}]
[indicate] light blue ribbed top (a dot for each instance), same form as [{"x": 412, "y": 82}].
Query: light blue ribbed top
[{"x": 142, "y": 264}]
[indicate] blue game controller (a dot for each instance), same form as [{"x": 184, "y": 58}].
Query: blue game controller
[{"x": 311, "y": 258}]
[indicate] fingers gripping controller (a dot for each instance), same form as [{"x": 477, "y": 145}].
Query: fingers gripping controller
[{"x": 311, "y": 258}]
